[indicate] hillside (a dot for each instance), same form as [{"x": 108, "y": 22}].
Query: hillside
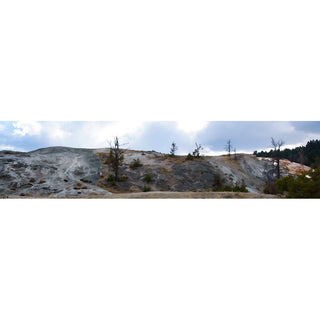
[{"x": 71, "y": 172}]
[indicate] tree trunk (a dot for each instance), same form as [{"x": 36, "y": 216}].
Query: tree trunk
[{"x": 278, "y": 168}]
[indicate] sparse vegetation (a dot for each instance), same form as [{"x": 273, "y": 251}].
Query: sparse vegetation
[
  {"x": 217, "y": 181},
  {"x": 146, "y": 188},
  {"x": 196, "y": 151},
  {"x": 148, "y": 178},
  {"x": 235, "y": 153},
  {"x": 270, "y": 188},
  {"x": 228, "y": 147},
  {"x": 241, "y": 188},
  {"x": 42, "y": 181},
  {"x": 110, "y": 178},
  {"x": 116, "y": 157},
  {"x": 135, "y": 164},
  {"x": 173, "y": 149}
]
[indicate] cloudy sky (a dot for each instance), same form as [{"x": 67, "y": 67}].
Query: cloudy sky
[{"x": 156, "y": 135}]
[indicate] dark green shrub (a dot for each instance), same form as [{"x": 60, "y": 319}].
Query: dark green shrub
[
  {"x": 146, "y": 188},
  {"x": 111, "y": 178},
  {"x": 306, "y": 185},
  {"x": 241, "y": 188},
  {"x": 217, "y": 181},
  {"x": 283, "y": 184},
  {"x": 189, "y": 157},
  {"x": 135, "y": 164},
  {"x": 225, "y": 188},
  {"x": 148, "y": 178},
  {"x": 123, "y": 178},
  {"x": 270, "y": 188}
]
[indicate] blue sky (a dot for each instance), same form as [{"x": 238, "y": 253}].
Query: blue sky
[{"x": 246, "y": 136}]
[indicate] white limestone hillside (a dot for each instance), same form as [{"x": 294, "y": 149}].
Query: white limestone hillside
[{"x": 71, "y": 172}]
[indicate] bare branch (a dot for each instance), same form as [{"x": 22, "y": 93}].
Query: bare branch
[
  {"x": 273, "y": 143},
  {"x": 280, "y": 143},
  {"x": 277, "y": 145},
  {"x": 196, "y": 152},
  {"x": 228, "y": 147}
]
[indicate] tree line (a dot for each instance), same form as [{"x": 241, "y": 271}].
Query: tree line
[{"x": 308, "y": 155}]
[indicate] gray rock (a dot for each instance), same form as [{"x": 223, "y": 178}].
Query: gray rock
[{"x": 50, "y": 172}]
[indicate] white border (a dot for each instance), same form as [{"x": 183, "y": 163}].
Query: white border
[{"x": 168, "y": 60}]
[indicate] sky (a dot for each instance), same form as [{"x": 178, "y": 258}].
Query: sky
[{"x": 245, "y": 136}]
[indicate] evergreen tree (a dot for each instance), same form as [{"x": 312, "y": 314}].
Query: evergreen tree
[
  {"x": 173, "y": 149},
  {"x": 116, "y": 157}
]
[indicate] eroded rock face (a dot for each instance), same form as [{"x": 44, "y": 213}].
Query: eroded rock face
[{"x": 56, "y": 172}]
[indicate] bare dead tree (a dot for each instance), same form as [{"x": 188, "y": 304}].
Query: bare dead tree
[
  {"x": 173, "y": 149},
  {"x": 277, "y": 145},
  {"x": 196, "y": 151},
  {"x": 228, "y": 147},
  {"x": 116, "y": 157}
]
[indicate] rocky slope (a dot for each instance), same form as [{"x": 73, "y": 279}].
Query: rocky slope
[
  {"x": 56, "y": 172},
  {"x": 179, "y": 174},
  {"x": 70, "y": 172}
]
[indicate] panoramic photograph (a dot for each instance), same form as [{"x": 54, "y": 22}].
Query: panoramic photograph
[{"x": 160, "y": 159}]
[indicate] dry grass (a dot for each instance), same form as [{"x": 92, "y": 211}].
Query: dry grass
[
  {"x": 182, "y": 195},
  {"x": 164, "y": 195},
  {"x": 175, "y": 159}
]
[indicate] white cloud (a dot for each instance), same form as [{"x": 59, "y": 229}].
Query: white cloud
[
  {"x": 6, "y": 147},
  {"x": 100, "y": 133},
  {"x": 55, "y": 132},
  {"x": 208, "y": 152},
  {"x": 190, "y": 126},
  {"x": 27, "y": 128},
  {"x": 2, "y": 127}
]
